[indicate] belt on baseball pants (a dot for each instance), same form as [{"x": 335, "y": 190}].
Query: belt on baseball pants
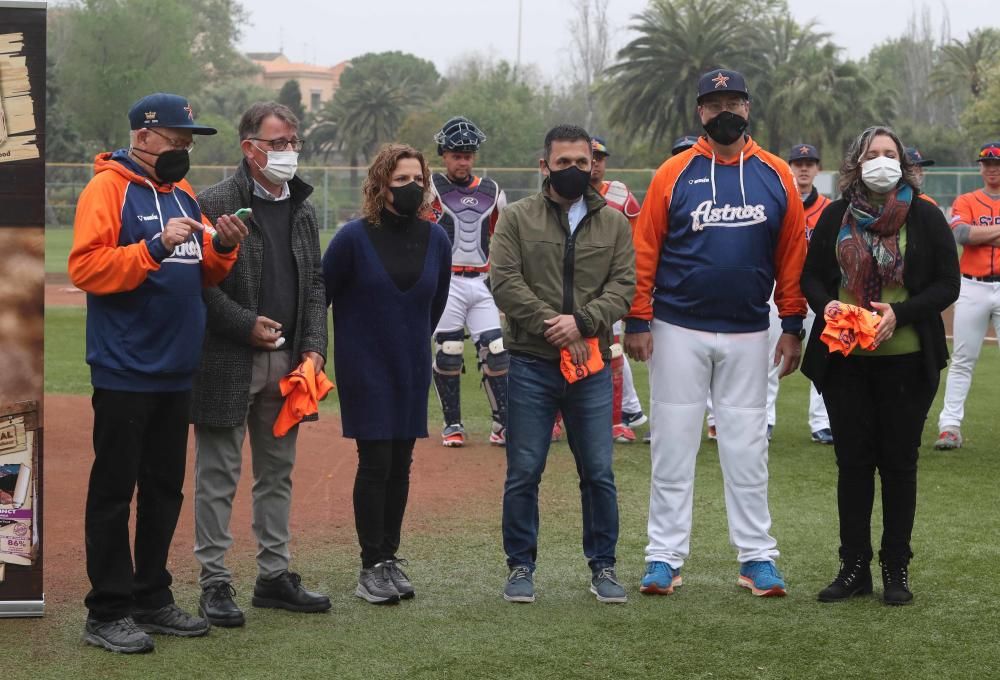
[
  {"x": 470, "y": 274},
  {"x": 984, "y": 279}
]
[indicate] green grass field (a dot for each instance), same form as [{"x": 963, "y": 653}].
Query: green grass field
[{"x": 459, "y": 627}]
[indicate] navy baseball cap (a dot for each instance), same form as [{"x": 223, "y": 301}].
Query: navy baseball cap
[
  {"x": 722, "y": 80},
  {"x": 162, "y": 110},
  {"x": 682, "y": 144},
  {"x": 916, "y": 158},
  {"x": 990, "y": 151},
  {"x": 803, "y": 152},
  {"x": 599, "y": 146}
]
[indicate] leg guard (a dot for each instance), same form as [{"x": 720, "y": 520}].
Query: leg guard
[
  {"x": 617, "y": 370},
  {"x": 494, "y": 362},
  {"x": 448, "y": 364}
]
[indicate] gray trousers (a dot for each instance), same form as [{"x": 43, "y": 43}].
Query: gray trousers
[{"x": 219, "y": 455}]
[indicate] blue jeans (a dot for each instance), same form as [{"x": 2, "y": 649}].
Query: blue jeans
[{"x": 536, "y": 390}]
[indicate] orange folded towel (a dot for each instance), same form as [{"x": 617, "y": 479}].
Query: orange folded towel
[
  {"x": 302, "y": 389},
  {"x": 848, "y": 326},
  {"x": 594, "y": 362}
]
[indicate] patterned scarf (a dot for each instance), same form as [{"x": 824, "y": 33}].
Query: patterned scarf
[{"x": 868, "y": 244}]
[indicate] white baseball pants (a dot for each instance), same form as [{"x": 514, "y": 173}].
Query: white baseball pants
[
  {"x": 685, "y": 365},
  {"x": 470, "y": 305},
  {"x": 978, "y": 305}
]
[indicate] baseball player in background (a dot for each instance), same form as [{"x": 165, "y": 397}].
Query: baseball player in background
[
  {"x": 720, "y": 224},
  {"x": 626, "y": 410},
  {"x": 804, "y": 161},
  {"x": 468, "y": 207},
  {"x": 975, "y": 221},
  {"x": 920, "y": 162}
]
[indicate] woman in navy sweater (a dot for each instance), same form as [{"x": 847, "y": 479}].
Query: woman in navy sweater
[{"x": 387, "y": 277}]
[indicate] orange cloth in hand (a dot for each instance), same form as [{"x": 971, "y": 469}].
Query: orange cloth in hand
[
  {"x": 302, "y": 389},
  {"x": 573, "y": 372},
  {"x": 848, "y": 326}
]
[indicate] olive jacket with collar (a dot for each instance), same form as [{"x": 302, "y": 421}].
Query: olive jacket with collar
[{"x": 538, "y": 270}]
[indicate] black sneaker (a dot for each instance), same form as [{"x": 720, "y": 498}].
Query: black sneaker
[
  {"x": 399, "y": 579},
  {"x": 121, "y": 636},
  {"x": 634, "y": 420},
  {"x": 375, "y": 585},
  {"x": 217, "y": 604},
  {"x": 285, "y": 591},
  {"x": 854, "y": 578},
  {"x": 170, "y": 620}
]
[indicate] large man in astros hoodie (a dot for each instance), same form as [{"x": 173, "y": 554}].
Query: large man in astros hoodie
[
  {"x": 143, "y": 252},
  {"x": 721, "y": 225}
]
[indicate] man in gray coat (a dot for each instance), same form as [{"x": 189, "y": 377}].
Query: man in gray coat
[{"x": 265, "y": 318}]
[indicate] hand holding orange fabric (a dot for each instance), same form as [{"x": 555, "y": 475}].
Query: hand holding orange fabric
[
  {"x": 573, "y": 371},
  {"x": 848, "y": 326},
  {"x": 303, "y": 389}
]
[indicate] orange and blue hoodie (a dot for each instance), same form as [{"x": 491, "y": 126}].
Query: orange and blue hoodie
[
  {"x": 145, "y": 313},
  {"x": 714, "y": 238}
]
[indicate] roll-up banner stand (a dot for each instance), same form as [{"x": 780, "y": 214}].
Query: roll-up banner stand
[
  {"x": 21, "y": 591},
  {"x": 22, "y": 223}
]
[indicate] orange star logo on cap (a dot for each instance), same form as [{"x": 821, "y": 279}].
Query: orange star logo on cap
[
  {"x": 190, "y": 113},
  {"x": 803, "y": 150},
  {"x": 720, "y": 80}
]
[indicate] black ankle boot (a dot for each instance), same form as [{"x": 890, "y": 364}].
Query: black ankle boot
[
  {"x": 854, "y": 578},
  {"x": 895, "y": 582}
]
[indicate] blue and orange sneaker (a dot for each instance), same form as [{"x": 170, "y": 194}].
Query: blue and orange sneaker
[
  {"x": 762, "y": 578},
  {"x": 660, "y": 579}
]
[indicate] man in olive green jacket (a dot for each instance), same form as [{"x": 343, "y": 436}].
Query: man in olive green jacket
[{"x": 562, "y": 270}]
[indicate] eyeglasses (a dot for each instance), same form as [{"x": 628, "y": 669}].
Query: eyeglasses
[
  {"x": 990, "y": 152},
  {"x": 282, "y": 144},
  {"x": 732, "y": 105},
  {"x": 174, "y": 143}
]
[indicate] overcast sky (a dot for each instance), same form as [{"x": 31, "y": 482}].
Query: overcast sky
[{"x": 330, "y": 31}]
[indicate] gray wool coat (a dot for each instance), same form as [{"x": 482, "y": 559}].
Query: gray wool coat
[{"x": 222, "y": 383}]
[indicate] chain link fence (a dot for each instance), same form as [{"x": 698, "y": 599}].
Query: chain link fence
[{"x": 337, "y": 195}]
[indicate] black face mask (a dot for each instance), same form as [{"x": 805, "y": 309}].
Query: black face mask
[
  {"x": 570, "y": 183},
  {"x": 171, "y": 166},
  {"x": 407, "y": 199},
  {"x": 726, "y": 128}
]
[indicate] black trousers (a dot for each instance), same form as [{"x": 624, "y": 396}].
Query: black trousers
[
  {"x": 381, "y": 488},
  {"x": 877, "y": 407},
  {"x": 140, "y": 439}
]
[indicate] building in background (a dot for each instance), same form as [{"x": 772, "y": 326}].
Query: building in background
[{"x": 317, "y": 83}]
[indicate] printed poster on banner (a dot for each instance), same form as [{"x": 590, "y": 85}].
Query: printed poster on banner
[{"x": 18, "y": 493}]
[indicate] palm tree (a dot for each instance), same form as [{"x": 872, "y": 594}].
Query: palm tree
[
  {"x": 789, "y": 56},
  {"x": 962, "y": 63},
  {"x": 652, "y": 87}
]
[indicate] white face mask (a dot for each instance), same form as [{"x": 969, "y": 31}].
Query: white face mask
[
  {"x": 281, "y": 166},
  {"x": 881, "y": 174}
]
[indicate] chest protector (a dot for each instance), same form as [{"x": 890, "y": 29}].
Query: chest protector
[{"x": 465, "y": 216}]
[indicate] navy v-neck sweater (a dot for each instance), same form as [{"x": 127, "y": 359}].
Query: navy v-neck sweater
[{"x": 382, "y": 335}]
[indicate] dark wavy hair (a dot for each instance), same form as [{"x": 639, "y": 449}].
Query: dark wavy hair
[
  {"x": 380, "y": 174},
  {"x": 850, "y": 172}
]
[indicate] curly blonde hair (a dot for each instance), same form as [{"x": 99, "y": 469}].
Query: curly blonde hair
[{"x": 380, "y": 175}]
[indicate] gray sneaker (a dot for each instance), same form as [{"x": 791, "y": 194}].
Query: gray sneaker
[
  {"x": 171, "y": 620},
  {"x": 121, "y": 636},
  {"x": 400, "y": 579},
  {"x": 606, "y": 586},
  {"x": 520, "y": 585},
  {"x": 375, "y": 585}
]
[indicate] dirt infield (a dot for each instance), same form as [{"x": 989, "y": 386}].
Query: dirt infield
[{"x": 444, "y": 481}]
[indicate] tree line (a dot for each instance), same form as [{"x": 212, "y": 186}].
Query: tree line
[{"x": 939, "y": 92}]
